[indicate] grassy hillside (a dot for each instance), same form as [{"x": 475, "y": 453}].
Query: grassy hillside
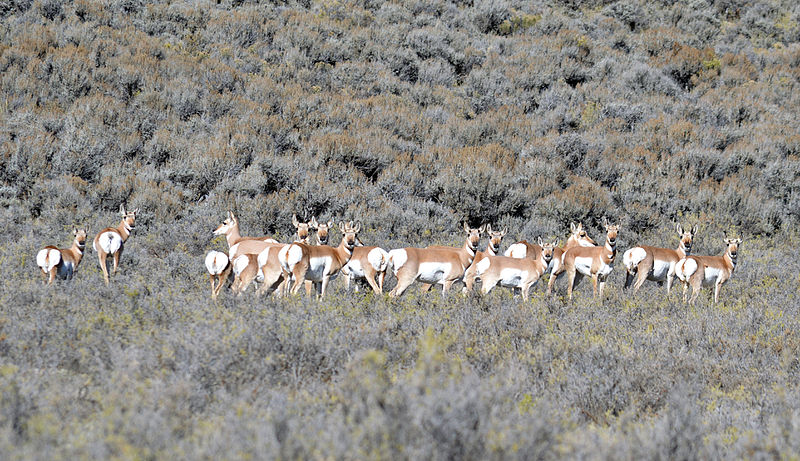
[{"x": 410, "y": 117}]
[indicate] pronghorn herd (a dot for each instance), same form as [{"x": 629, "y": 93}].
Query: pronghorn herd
[{"x": 283, "y": 268}]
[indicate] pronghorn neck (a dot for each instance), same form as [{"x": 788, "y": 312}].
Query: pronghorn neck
[
  {"x": 233, "y": 236},
  {"x": 468, "y": 248},
  {"x": 730, "y": 259},
  {"x": 491, "y": 250},
  {"x": 124, "y": 230}
]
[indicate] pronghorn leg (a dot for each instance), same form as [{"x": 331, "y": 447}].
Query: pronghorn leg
[
  {"x": 370, "y": 273},
  {"x": 642, "y": 276},
  {"x": 102, "y": 255},
  {"x": 558, "y": 269},
  {"x": 446, "y": 286},
  {"x": 717, "y": 286},
  {"x": 602, "y": 283},
  {"x": 487, "y": 283},
  {"x": 670, "y": 280},
  {"x": 426, "y": 287},
  {"x": 213, "y": 288},
  {"x": 381, "y": 278},
  {"x": 571, "y": 276},
  {"x": 116, "y": 260},
  {"x": 223, "y": 277},
  {"x": 629, "y": 276},
  {"x": 53, "y": 272},
  {"x": 685, "y": 290},
  {"x": 696, "y": 287},
  {"x": 403, "y": 282},
  {"x": 309, "y": 287},
  {"x": 324, "y": 285}
]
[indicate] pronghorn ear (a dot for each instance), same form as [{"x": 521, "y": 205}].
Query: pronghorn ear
[
  {"x": 331, "y": 224},
  {"x": 482, "y": 229},
  {"x": 342, "y": 227},
  {"x": 503, "y": 232},
  {"x": 295, "y": 222},
  {"x": 122, "y": 209},
  {"x": 466, "y": 227},
  {"x": 357, "y": 227},
  {"x": 605, "y": 222},
  {"x": 135, "y": 211},
  {"x": 539, "y": 241},
  {"x": 230, "y": 215},
  {"x": 487, "y": 228},
  {"x": 679, "y": 228},
  {"x": 313, "y": 223},
  {"x": 572, "y": 227},
  {"x": 694, "y": 230}
]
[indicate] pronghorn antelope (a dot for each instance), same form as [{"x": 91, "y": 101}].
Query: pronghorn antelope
[
  {"x": 111, "y": 240},
  {"x": 62, "y": 262},
  {"x": 236, "y": 243},
  {"x": 320, "y": 263},
  {"x": 520, "y": 273},
  {"x": 272, "y": 260},
  {"x": 431, "y": 265},
  {"x": 367, "y": 263},
  {"x": 323, "y": 231},
  {"x": 656, "y": 264},
  {"x": 245, "y": 270},
  {"x": 492, "y": 249},
  {"x": 596, "y": 262},
  {"x": 219, "y": 267},
  {"x": 705, "y": 271},
  {"x": 577, "y": 238}
]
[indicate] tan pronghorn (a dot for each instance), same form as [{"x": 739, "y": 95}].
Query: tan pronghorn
[
  {"x": 656, "y": 264},
  {"x": 62, "y": 262},
  {"x": 320, "y": 263},
  {"x": 245, "y": 270},
  {"x": 492, "y": 249},
  {"x": 596, "y": 262},
  {"x": 577, "y": 238},
  {"x": 367, "y": 263},
  {"x": 236, "y": 243},
  {"x": 218, "y": 266},
  {"x": 272, "y": 260},
  {"x": 520, "y": 273},
  {"x": 705, "y": 271},
  {"x": 111, "y": 240},
  {"x": 323, "y": 231},
  {"x": 445, "y": 265}
]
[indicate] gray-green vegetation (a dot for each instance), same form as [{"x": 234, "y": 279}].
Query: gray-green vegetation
[{"x": 410, "y": 117}]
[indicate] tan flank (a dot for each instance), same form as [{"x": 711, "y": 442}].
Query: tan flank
[
  {"x": 656, "y": 264},
  {"x": 705, "y": 271}
]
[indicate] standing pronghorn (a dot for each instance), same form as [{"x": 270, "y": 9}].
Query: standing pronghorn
[
  {"x": 236, "y": 243},
  {"x": 431, "y": 265},
  {"x": 520, "y": 273},
  {"x": 245, "y": 269},
  {"x": 320, "y": 263},
  {"x": 271, "y": 261},
  {"x": 577, "y": 238},
  {"x": 700, "y": 271},
  {"x": 111, "y": 241},
  {"x": 367, "y": 262},
  {"x": 656, "y": 264},
  {"x": 492, "y": 249},
  {"x": 219, "y": 267},
  {"x": 596, "y": 262},
  {"x": 62, "y": 262}
]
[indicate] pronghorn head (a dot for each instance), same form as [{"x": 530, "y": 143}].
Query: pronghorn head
[
  {"x": 687, "y": 237},
  {"x": 80, "y": 238},
  {"x": 612, "y": 230},
  {"x": 349, "y": 234},
  {"x": 474, "y": 236},
  {"x": 128, "y": 217},
  {"x": 495, "y": 237},
  {"x": 733, "y": 247},
  {"x": 229, "y": 224},
  {"x": 578, "y": 235},
  {"x": 547, "y": 250},
  {"x": 303, "y": 229},
  {"x": 322, "y": 230}
]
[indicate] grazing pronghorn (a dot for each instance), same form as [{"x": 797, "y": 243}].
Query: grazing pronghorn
[
  {"x": 62, "y": 262},
  {"x": 705, "y": 271},
  {"x": 367, "y": 263},
  {"x": 656, "y": 264},
  {"x": 431, "y": 265},
  {"x": 319, "y": 263},
  {"x": 219, "y": 267},
  {"x": 245, "y": 270},
  {"x": 577, "y": 238},
  {"x": 520, "y": 273},
  {"x": 492, "y": 249},
  {"x": 111, "y": 240},
  {"x": 596, "y": 262},
  {"x": 236, "y": 243}
]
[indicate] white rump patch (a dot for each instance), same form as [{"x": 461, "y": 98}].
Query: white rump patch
[
  {"x": 633, "y": 257},
  {"x": 294, "y": 254},
  {"x": 378, "y": 258},
  {"x": 110, "y": 242},
  {"x": 240, "y": 264},
  {"x": 216, "y": 262},
  {"x": 398, "y": 258},
  {"x": 48, "y": 258},
  {"x": 482, "y": 266},
  {"x": 517, "y": 250},
  {"x": 685, "y": 268}
]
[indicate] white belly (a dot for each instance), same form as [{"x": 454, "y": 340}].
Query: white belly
[
  {"x": 65, "y": 270},
  {"x": 433, "y": 272},
  {"x": 584, "y": 265},
  {"x": 605, "y": 269},
  {"x": 318, "y": 267},
  {"x": 660, "y": 270},
  {"x": 512, "y": 278},
  {"x": 354, "y": 269},
  {"x": 711, "y": 276}
]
